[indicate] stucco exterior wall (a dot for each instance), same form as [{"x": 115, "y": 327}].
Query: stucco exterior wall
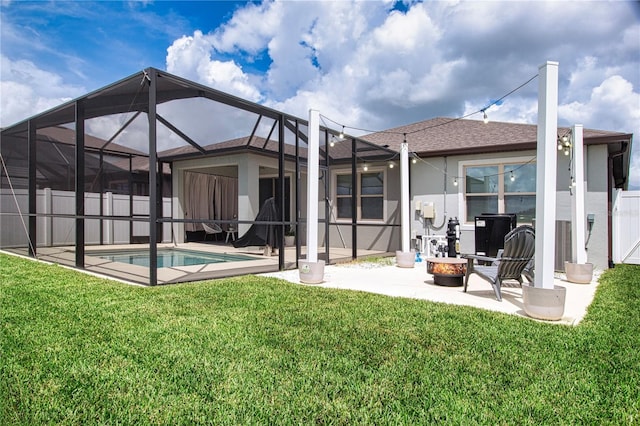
[
  {"x": 597, "y": 203},
  {"x": 371, "y": 235},
  {"x": 429, "y": 184},
  {"x": 431, "y": 181},
  {"x": 246, "y": 167}
]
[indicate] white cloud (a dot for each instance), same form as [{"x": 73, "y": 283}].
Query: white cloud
[
  {"x": 190, "y": 57},
  {"x": 366, "y": 67},
  {"x": 613, "y": 105},
  {"x": 249, "y": 29},
  {"x": 26, "y": 90},
  {"x": 406, "y": 33}
]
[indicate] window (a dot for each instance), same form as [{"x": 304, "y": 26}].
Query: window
[
  {"x": 508, "y": 187},
  {"x": 370, "y": 195}
]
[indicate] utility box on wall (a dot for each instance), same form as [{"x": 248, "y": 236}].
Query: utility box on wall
[{"x": 490, "y": 230}]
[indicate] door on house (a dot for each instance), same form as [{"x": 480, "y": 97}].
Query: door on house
[{"x": 270, "y": 187}]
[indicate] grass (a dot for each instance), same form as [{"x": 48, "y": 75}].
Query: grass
[
  {"x": 252, "y": 350},
  {"x": 372, "y": 261}
]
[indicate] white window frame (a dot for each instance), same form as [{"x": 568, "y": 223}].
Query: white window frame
[
  {"x": 500, "y": 162},
  {"x": 334, "y": 197}
]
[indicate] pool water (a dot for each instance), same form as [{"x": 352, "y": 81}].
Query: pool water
[{"x": 169, "y": 257}]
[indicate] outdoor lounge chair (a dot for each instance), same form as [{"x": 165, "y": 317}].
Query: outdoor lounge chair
[
  {"x": 211, "y": 229},
  {"x": 519, "y": 248},
  {"x": 528, "y": 272}
]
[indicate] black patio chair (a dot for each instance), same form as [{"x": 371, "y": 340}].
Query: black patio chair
[{"x": 519, "y": 248}]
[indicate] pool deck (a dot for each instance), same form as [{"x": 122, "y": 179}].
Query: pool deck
[
  {"x": 416, "y": 283},
  {"x": 261, "y": 263},
  {"x": 386, "y": 279}
]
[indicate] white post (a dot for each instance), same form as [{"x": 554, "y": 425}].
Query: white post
[
  {"x": 108, "y": 224},
  {"x": 546, "y": 174},
  {"x": 312, "y": 185},
  {"x": 404, "y": 197},
  {"x": 579, "y": 253},
  {"x": 48, "y": 220}
]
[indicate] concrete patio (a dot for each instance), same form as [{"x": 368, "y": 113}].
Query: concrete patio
[{"x": 415, "y": 283}]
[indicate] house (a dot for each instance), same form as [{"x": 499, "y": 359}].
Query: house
[
  {"x": 248, "y": 153},
  {"x": 468, "y": 167}
]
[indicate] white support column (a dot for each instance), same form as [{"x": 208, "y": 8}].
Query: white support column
[
  {"x": 48, "y": 220},
  {"x": 546, "y": 174},
  {"x": 579, "y": 252},
  {"x": 312, "y": 185},
  {"x": 404, "y": 197},
  {"x": 248, "y": 193},
  {"x": 108, "y": 224},
  {"x": 178, "y": 202}
]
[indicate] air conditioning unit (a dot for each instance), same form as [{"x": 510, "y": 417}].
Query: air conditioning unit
[{"x": 490, "y": 230}]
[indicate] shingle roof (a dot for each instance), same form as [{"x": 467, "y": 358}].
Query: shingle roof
[
  {"x": 446, "y": 136},
  {"x": 257, "y": 143},
  {"x": 65, "y": 135},
  {"x": 340, "y": 152}
]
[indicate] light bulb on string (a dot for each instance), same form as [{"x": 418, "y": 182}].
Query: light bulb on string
[
  {"x": 342, "y": 133},
  {"x": 365, "y": 167},
  {"x": 485, "y": 118},
  {"x": 391, "y": 165},
  {"x": 333, "y": 141},
  {"x": 414, "y": 159},
  {"x": 512, "y": 176},
  {"x": 455, "y": 181}
]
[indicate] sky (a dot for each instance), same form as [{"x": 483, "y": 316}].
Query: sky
[{"x": 365, "y": 64}]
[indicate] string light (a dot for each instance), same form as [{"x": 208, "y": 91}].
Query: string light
[
  {"x": 512, "y": 175},
  {"x": 564, "y": 143},
  {"x": 365, "y": 167},
  {"x": 415, "y": 156},
  {"x": 567, "y": 145},
  {"x": 333, "y": 141}
]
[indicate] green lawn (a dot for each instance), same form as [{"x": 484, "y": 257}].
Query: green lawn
[{"x": 251, "y": 350}]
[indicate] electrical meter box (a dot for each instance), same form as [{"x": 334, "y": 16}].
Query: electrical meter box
[{"x": 428, "y": 211}]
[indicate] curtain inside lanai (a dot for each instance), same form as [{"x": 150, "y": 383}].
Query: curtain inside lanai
[{"x": 210, "y": 197}]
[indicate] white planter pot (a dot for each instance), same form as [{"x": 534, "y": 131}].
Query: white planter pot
[
  {"x": 544, "y": 303},
  {"x": 405, "y": 259},
  {"x": 289, "y": 240},
  {"x": 311, "y": 272},
  {"x": 580, "y": 273}
]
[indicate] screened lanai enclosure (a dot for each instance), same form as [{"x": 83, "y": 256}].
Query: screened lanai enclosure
[{"x": 156, "y": 179}]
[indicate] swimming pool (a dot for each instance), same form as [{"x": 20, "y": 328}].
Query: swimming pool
[{"x": 169, "y": 257}]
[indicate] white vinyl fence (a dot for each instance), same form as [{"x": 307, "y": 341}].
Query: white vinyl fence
[
  {"x": 626, "y": 227},
  {"x": 55, "y": 231}
]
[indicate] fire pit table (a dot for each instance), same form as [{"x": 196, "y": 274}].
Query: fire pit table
[{"x": 447, "y": 271}]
